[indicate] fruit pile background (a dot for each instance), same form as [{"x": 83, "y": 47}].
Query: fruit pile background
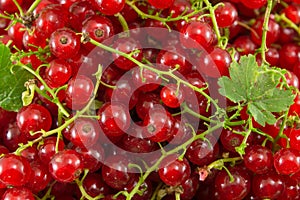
[{"x": 149, "y": 99}]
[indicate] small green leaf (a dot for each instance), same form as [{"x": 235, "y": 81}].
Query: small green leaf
[
  {"x": 12, "y": 81},
  {"x": 258, "y": 88}
]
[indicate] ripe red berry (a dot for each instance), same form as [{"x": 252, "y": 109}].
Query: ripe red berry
[
  {"x": 109, "y": 7},
  {"x": 161, "y": 4},
  {"x": 173, "y": 171},
  {"x": 66, "y": 166},
  {"x": 287, "y": 161},
  {"x": 34, "y": 118},
  {"x": 14, "y": 170}
]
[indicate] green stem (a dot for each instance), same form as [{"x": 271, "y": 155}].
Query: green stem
[
  {"x": 33, "y": 6},
  {"x": 122, "y": 21},
  {"x": 289, "y": 23},
  {"x": 265, "y": 31},
  {"x": 214, "y": 22},
  {"x": 162, "y": 19},
  {"x": 159, "y": 72},
  {"x": 173, "y": 151},
  {"x": 19, "y": 7},
  {"x": 283, "y": 124},
  {"x": 66, "y": 123},
  {"x": 47, "y": 88}
]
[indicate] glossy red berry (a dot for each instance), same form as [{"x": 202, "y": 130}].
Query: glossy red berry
[
  {"x": 235, "y": 189},
  {"x": 14, "y": 170},
  {"x": 254, "y": 4},
  {"x": 114, "y": 119},
  {"x": 267, "y": 186},
  {"x": 258, "y": 159},
  {"x": 58, "y": 73},
  {"x": 115, "y": 172},
  {"x": 18, "y": 193},
  {"x": 173, "y": 171},
  {"x": 34, "y": 118},
  {"x": 172, "y": 95},
  {"x": 226, "y": 14},
  {"x": 83, "y": 132},
  {"x": 287, "y": 161},
  {"x": 109, "y": 7},
  {"x": 161, "y": 4},
  {"x": 66, "y": 166},
  {"x": 64, "y": 43},
  {"x": 158, "y": 124},
  {"x": 127, "y": 45},
  {"x": 295, "y": 139},
  {"x": 197, "y": 35},
  {"x": 50, "y": 19},
  {"x": 79, "y": 92}
]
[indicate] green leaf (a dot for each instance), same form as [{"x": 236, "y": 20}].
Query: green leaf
[
  {"x": 257, "y": 87},
  {"x": 12, "y": 81}
]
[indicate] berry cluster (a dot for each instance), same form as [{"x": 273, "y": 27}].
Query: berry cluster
[{"x": 149, "y": 99}]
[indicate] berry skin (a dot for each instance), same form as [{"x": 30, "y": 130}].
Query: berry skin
[
  {"x": 200, "y": 32},
  {"x": 127, "y": 45},
  {"x": 94, "y": 185},
  {"x": 114, "y": 119},
  {"x": 173, "y": 171},
  {"x": 272, "y": 34},
  {"x": 267, "y": 186},
  {"x": 226, "y": 15},
  {"x": 66, "y": 166},
  {"x": 34, "y": 118},
  {"x": 50, "y": 19},
  {"x": 14, "y": 170},
  {"x": 83, "y": 132},
  {"x": 18, "y": 193},
  {"x": 161, "y": 4},
  {"x": 98, "y": 28},
  {"x": 158, "y": 124},
  {"x": 258, "y": 159},
  {"x": 109, "y": 7},
  {"x": 295, "y": 139},
  {"x": 287, "y": 161},
  {"x": 172, "y": 97},
  {"x": 79, "y": 92},
  {"x": 115, "y": 172},
  {"x": 64, "y": 43},
  {"x": 236, "y": 189},
  {"x": 58, "y": 73},
  {"x": 254, "y": 4}
]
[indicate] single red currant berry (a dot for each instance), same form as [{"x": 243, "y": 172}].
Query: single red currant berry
[
  {"x": 34, "y": 118},
  {"x": 98, "y": 28},
  {"x": 158, "y": 124},
  {"x": 173, "y": 171},
  {"x": 295, "y": 139},
  {"x": 202, "y": 152},
  {"x": 109, "y": 7},
  {"x": 83, "y": 132},
  {"x": 64, "y": 43},
  {"x": 145, "y": 80},
  {"x": 79, "y": 92},
  {"x": 254, "y": 4},
  {"x": 233, "y": 189},
  {"x": 267, "y": 186},
  {"x": 127, "y": 45},
  {"x": 66, "y": 166},
  {"x": 114, "y": 119},
  {"x": 197, "y": 35},
  {"x": 40, "y": 177},
  {"x": 94, "y": 185},
  {"x": 115, "y": 172},
  {"x": 226, "y": 14},
  {"x": 18, "y": 193},
  {"x": 161, "y": 4},
  {"x": 50, "y": 19},
  {"x": 58, "y": 73},
  {"x": 14, "y": 170},
  {"x": 172, "y": 95},
  {"x": 272, "y": 33},
  {"x": 287, "y": 161},
  {"x": 258, "y": 159}
]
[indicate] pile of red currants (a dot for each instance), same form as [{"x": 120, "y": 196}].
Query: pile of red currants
[{"x": 149, "y": 99}]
